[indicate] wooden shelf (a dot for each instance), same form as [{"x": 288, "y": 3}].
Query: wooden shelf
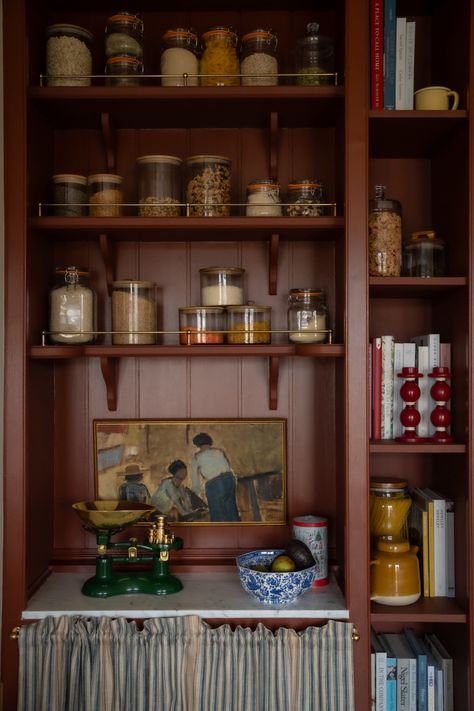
[
  {"x": 426, "y": 609},
  {"x": 389, "y": 446},
  {"x": 413, "y": 287}
]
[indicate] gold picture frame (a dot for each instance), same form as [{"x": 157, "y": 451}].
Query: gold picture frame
[{"x": 196, "y": 471}]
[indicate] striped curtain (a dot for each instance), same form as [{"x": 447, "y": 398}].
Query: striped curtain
[{"x": 182, "y": 664}]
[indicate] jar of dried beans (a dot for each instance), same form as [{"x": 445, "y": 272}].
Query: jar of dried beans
[
  {"x": 208, "y": 186},
  {"x": 258, "y": 58},
  {"x": 201, "y": 325},
  {"x": 385, "y": 235},
  {"x": 133, "y": 312},
  {"x": 305, "y": 198},
  {"x": 68, "y": 55},
  {"x": 105, "y": 195},
  {"x": 220, "y": 61},
  {"x": 72, "y": 306},
  {"x": 159, "y": 186},
  {"x": 180, "y": 58}
]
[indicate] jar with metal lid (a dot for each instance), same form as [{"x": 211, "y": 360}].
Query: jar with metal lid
[
  {"x": 105, "y": 195},
  {"x": 201, "y": 325},
  {"x": 423, "y": 255},
  {"x": 220, "y": 61},
  {"x": 123, "y": 70},
  {"x": 180, "y": 57},
  {"x": 249, "y": 324},
  {"x": 124, "y": 35},
  {"x": 72, "y": 306},
  {"x": 222, "y": 286},
  {"x": 208, "y": 186},
  {"x": 159, "y": 186},
  {"x": 258, "y": 58},
  {"x": 385, "y": 234},
  {"x": 69, "y": 195},
  {"x": 305, "y": 198},
  {"x": 133, "y": 312},
  {"x": 263, "y": 198},
  {"x": 390, "y": 504},
  {"x": 314, "y": 58},
  {"x": 308, "y": 318},
  {"x": 68, "y": 55}
]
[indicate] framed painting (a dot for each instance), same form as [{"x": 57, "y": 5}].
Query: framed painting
[{"x": 195, "y": 472}]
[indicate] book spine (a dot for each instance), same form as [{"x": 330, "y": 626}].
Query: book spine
[
  {"x": 403, "y": 684},
  {"x": 370, "y": 378},
  {"x": 389, "y": 46},
  {"x": 377, "y": 387},
  {"x": 450, "y": 550},
  {"x": 421, "y": 669},
  {"x": 398, "y": 403},
  {"x": 412, "y": 697},
  {"x": 445, "y": 360},
  {"x": 431, "y": 548},
  {"x": 426, "y": 554},
  {"x": 433, "y": 343},
  {"x": 391, "y": 688},
  {"x": 439, "y": 536},
  {"x": 423, "y": 403},
  {"x": 380, "y": 681},
  {"x": 410, "y": 65},
  {"x": 430, "y": 687},
  {"x": 400, "y": 62},
  {"x": 386, "y": 428},
  {"x": 376, "y": 55}
]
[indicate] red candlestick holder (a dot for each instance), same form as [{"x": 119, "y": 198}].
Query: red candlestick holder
[
  {"x": 441, "y": 416},
  {"x": 409, "y": 416}
]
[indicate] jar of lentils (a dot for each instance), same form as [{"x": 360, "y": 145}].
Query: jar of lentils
[
  {"x": 124, "y": 35},
  {"x": 201, "y": 325},
  {"x": 258, "y": 58},
  {"x": 180, "y": 58},
  {"x": 123, "y": 70},
  {"x": 219, "y": 61},
  {"x": 308, "y": 320},
  {"x": 263, "y": 198},
  {"x": 159, "y": 186},
  {"x": 68, "y": 55},
  {"x": 208, "y": 186},
  {"x": 385, "y": 235},
  {"x": 305, "y": 198}
]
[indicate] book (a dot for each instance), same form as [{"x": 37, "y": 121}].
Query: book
[
  {"x": 439, "y": 542},
  {"x": 380, "y": 672},
  {"x": 406, "y": 670},
  {"x": 389, "y": 51},
  {"x": 423, "y": 403},
  {"x": 376, "y": 54},
  {"x": 421, "y": 668},
  {"x": 418, "y": 536},
  {"x": 450, "y": 550},
  {"x": 434, "y": 682},
  {"x": 432, "y": 342},
  {"x": 407, "y": 353},
  {"x": 400, "y": 62},
  {"x": 410, "y": 64},
  {"x": 386, "y": 425},
  {"x": 370, "y": 378},
  {"x": 391, "y": 675},
  {"x": 445, "y": 660},
  {"x": 376, "y": 387}
]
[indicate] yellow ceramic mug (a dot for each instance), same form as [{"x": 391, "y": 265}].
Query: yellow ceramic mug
[{"x": 435, "y": 98}]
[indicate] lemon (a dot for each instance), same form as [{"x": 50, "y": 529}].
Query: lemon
[{"x": 283, "y": 564}]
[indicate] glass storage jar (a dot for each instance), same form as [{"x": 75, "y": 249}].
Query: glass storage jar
[
  {"x": 304, "y": 198},
  {"x": 208, "y": 186},
  {"x": 222, "y": 286},
  {"x": 123, "y": 70},
  {"x": 423, "y": 255},
  {"x": 133, "y": 312},
  {"x": 263, "y": 198},
  {"x": 385, "y": 235},
  {"x": 308, "y": 319},
  {"x": 390, "y": 504},
  {"x": 201, "y": 325},
  {"x": 180, "y": 58},
  {"x": 314, "y": 58},
  {"x": 68, "y": 55},
  {"x": 248, "y": 324},
  {"x": 72, "y": 306},
  {"x": 70, "y": 195},
  {"x": 258, "y": 58},
  {"x": 105, "y": 195},
  {"x": 159, "y": 186},
  {"x": 219, "y": 64},
  {"x": 124, "y": 35}
]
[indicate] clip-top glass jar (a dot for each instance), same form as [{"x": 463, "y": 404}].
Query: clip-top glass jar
[
  {"x": 263, "y": 198},
  {"x": 72, "y": 306},
  {"x": 70, "y": 195},
  {"x": 159, "y": 186},
  {"x": 305, "y": 198},
  {"x": 68, "y": 55},
  {"x": 208, "y": 186},
  {"x": 122, "y": 70},
  {"x": 423, "y": 255},
  {"x": 249, "y": 324},
  {"x": 390, "y": 504},
  {"x": 133, "y": 312},
  {"x": 220, "y": 61},
  {"x": 222, "y": 286},
  {"x": 385, "y": 235},
  {"x": 124, "y": 35},
  {"x": 180, "y": 58},
  {"x": 308, "y": 320},
  {"x": 258, "y": 58},
  {"x": 201, "y": 325},
  {"x": 314, "y": 58}
]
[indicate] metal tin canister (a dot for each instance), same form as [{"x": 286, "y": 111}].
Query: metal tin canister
[{"x": 313, "y": 530}]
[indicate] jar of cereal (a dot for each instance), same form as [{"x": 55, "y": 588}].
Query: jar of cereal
[
  {"x": 385, "y": 235},
  {"x": 133, "y": 312},
  {"x": 208, "y": 186},
  {"x": 220, "y": 61}
]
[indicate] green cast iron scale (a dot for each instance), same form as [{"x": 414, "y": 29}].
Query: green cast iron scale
[{"x": 106, "y": 518}]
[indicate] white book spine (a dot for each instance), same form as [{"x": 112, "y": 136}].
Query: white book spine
[
  {"x": 450, "y": 551},
  {"x": 400, "y": 63},
  {"x": 387, "y": 387},
  {"x": 440, "y": 548},
  {"x": 412, "y": 687},
  {"x": 398, "y": 404},
  {"x": 410, "y": 64},
  {"x": 424, "y": 383},
  {"x": 430, "y": 696}
]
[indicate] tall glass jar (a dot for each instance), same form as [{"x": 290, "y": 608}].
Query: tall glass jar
[
  {"x": 390, "y": 504},
  {"x": 314, "y": 58},
  {"x": 308, "y": 318},
  {"x": 72, "y": 306},
  {"x": 263, "y": 198},
  {"x": 201, "y": 325},
  {"x": 123, "y": 70},
  {"x": 105, "y": 195},
  {"x": 258, "y": 58},
  {"x": 208, "y": 186},
  {"x": 180, "y": 57},
  {"x": 70, "y": 195},
  {"x": 68, "y": 55},
  {"x": 385, "y": 235},
  {"x": 305, "y": 198},
  {"x": 133, "y": 312},
  {"x": 220, "y": 61},
  {"x": 159, "y": 186},
  {"x": 249, "y": 324},
  {"x": 222, "y": 286},
  {"x": 124, "y": 35}
]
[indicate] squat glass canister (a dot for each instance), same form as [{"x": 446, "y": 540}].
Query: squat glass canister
[
  {"x": 68, "y": 55},
  {"x": 159, "y": 186},
  {"x": 385, "y": 235},
  {"x": 201, "y": 325},
  {"x": 314, "y": 58},
  {"x": 423, "y": 255},
  {"x": 208, "y": 186},
  {"x": 263, "y": 198},
  {"x": 180, "y": 58},
  {"x": 249, "y": 324},
  {"x": 70, "y": 195},
  {"x": 133, "y": 311},
  {"x": 124, "y": 35},
  {"x": 222, "y": 286},
  {"x": 258, "y": 62},
  {"x": 308, "y": 320},
  {"x": 219, "y": 61},
  {"x": 105, "y": 195},
  {"x": 72, "y": 306}
]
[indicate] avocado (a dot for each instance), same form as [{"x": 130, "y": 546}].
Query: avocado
[{"x": 299, "y": 553}]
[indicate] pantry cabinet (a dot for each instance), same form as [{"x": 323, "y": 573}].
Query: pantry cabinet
[{"x": 53, "y": 393}]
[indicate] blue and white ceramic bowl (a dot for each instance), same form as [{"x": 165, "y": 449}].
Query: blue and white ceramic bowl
[{"x": 272, "y": 588}]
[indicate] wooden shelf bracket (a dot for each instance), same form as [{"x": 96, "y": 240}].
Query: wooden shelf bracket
[
  {"x": 108, "y": 367},
  {"x": 109, "y": 144},
  {"x": 273, "y": 264},
  {"x": 274, "y": 367},
  {"x": 108, "y": 256}
]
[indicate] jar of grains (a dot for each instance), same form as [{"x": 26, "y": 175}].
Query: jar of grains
[
  {"x": 208, "y": 186},
  {"x": 222, "y": 286},
  {"x": 258, "y": 58},
  {"x": 159, "y": 186},
  {"x": 133, "y": 312},
  {"x": 314, "y": 58},
  {"x": 180, "y": 58},
  {"x": 305, "y": 198},
  {"x": 390, "y": 504},
  {"x": 70, "y": 195},
  {"x": 124, "y": 35},
  {"x": 220, "y": 61},
  {"x": 201, "y": 325},
  {"x": 248, "y": 324},
  {"x": 308, "y": 320},
  {"x": 123, "y": 70},
  {"x": 68, "y": 55},
  {"x": 263, "y": 198},
  {"x": 385, "y": 235},
  {"x": 72, "y": 306},
  {"x": 105, "y": 195}
]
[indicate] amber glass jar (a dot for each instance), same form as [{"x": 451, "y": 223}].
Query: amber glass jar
[
  {"x": 220, "y": 61},
  {"x": 390, "y": 504}
]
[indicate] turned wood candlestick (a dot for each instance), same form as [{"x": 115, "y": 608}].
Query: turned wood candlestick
[
  {"x": 409, "y": 416},
  {"x": 440, "y": 415}
]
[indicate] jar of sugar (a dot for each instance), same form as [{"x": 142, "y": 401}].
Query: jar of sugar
[{"x": 222, "y": 286}]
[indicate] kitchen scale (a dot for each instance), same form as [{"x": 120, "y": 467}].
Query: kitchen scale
[{"x": 106, "y": 518}]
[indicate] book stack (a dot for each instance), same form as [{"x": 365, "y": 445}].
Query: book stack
[
  {"x": 410, "y": 672},
  {"x": 392, "y": 57}
]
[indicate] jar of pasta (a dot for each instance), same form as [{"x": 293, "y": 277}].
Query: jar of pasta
[
  {"x": 124, "y": 35},
  {"x": 72, "y": 307},
  {"x": 159, "y": 186},
  {"x": 180, "y": 58},
  {"x": 248, "y": 324},
  {"x": 133, "y": 312},
  {"x": 220, "y": 61},
  {"x": 258, "y": 58},
  {"x": 263, "y": 198},
  {"x": 105, "y": 195},
  {"x": 385, "y": 235},
  {"x": 390, "y": 504},
  {"x": 208, "y": 186},
  {"x": 204, "y": 325}
]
